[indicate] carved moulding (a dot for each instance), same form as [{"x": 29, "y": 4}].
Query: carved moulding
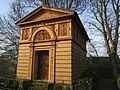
[
  {"x": 25, "y": 34},
  {"x": 42, "y": 35},
  {"x": 52, "y": 26},
  {"x": 62, "y": 29},
  {"x": 34, "y": 28}
]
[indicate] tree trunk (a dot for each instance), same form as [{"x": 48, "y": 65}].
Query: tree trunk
[{"x": 113, "y": 59}]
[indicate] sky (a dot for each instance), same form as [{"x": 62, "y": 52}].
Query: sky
[{"x": 4, "y": 6}]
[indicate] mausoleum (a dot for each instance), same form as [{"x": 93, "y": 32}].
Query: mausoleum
[{"x": 52, "y": 46}]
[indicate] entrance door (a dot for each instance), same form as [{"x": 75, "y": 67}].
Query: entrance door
[{"x": 42, "y": 65}]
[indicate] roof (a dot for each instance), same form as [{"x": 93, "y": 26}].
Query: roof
[
  {"x": 56, "y": 13},
  {"x": 45, "y": 13}
]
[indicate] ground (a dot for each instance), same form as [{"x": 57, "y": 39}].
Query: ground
[{"x": 106, "y": 84}]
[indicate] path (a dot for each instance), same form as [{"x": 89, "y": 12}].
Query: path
[{"x": 106, "y": 84}]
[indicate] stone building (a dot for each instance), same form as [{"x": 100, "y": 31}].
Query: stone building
[{"x": 52, "y": 46}]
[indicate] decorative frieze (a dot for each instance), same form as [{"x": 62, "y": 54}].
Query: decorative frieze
[
  {"x": 52, "y": 27},
  {"x": 25, "y": 34},
  {"x": 34, "y": 28},
  {"x": 62, "y": 29},
  {"x": 42, "y": 35}
]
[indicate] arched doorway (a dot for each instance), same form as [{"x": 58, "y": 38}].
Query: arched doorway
[
  {"x": 42, "y": 64},
  {"x": 42, "y": 58}
]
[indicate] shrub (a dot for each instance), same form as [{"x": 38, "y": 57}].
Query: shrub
[
  {"x": 83, "y": 84},
  {"x": 27, "y": 84},
  {"x": 50, "y": 86},
  {"x": 67, "y": 87},
  {"x": 104, "y": 70},
  {"x": 57, "y": 87},
  {"x": 54, "y": 86},
  {"x": 88, "y": 73},
  {"x": 13, "y": 84},
  {"x": 92, "y": 75},
  {"x": 118, "y": 80},
  {"x": 8, "y": 83}
]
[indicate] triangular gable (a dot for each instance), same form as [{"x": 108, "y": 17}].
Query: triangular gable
[{"x": 44, "y": 13}]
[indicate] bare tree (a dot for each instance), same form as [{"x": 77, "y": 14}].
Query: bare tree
[
  {"x": 76, "y": 5},
  {"x": 10, "y": 33},
  {"x": 106, "y": 19},
  {"x": 18, "y": 8},
  {"x": 92, "y": 50}
]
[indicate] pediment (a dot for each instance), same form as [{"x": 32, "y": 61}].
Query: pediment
[{"x": 44, "y": 13}]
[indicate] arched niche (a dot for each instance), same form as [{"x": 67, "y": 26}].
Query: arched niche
[{"x": 43, "y": 33}]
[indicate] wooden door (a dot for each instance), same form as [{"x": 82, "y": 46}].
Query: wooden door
[{"x": 43, "y": 65}]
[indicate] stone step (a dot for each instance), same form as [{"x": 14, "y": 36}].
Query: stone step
[
  {"x": 40, "y": 85},
  {"x": 39, "y": 88}
]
